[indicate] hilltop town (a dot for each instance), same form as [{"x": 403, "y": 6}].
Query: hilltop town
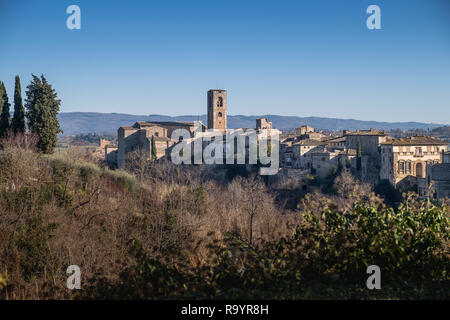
[{"x": 415, "y": 163}]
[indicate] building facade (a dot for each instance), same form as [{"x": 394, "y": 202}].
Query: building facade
[
  {"x": 140, "y": 135},
  {"x": 404, "y": 160}
]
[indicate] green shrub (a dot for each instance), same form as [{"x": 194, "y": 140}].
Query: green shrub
[
  {"x": 122, "y": 178},
  {"x": 325, "y": 257}
]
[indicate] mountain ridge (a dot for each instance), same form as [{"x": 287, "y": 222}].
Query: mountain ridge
[{"x": 73, "y": 123}]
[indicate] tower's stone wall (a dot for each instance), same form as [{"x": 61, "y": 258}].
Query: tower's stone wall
[{"x": 217, "y": 109}]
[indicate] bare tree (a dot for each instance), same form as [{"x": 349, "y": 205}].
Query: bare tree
[
  {"x": 252, "y": 197},
  {"x": 137, "y": 162}
]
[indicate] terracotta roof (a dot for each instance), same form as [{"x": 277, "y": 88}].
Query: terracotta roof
[
  {"x": 415, "y": 141},
  {"x": 288, "y": 139},
  {"x": 338, "y": 139},
  {"x": 309, "y": 142},
  {"x": 334, "y": 151},
  {"x": 370, "y": 132}
]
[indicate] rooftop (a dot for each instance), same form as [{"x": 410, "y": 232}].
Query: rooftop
[
  {"x": 141, "y": 124},
  {"x": 309, "y": 142},
  {"x": 371, "y": 132},
  {"x": 334, "y": 140},
  {"x": 415, "y": 141}
]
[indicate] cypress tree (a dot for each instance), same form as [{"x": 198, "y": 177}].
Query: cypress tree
[
  {"x": 42, "y": 109},
  {"x": 18, "y": 121},
  {"x": 154, "y": 153},
  {"x": 359, "y": 157},
  {"x": 5, "y": 117}
]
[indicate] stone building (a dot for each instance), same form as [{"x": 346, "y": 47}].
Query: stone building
[
  {"x": 303, "y": 130},
  {"x": 111, "y": 154},
  {"x": 336, "y": 143},
  {"x": 369, "y": 140},
  {"x": 263, "y": 124},
  {"x": 139, "y": 136},
  {"x": 404, "y": 160},
  {"x": 324, "y": 162},
  {"x": 217, "y": 110},
  {"x": 302, "y": 152},
  {"x": 446, "y": 156},
  {"x": 437, "y": 180}
]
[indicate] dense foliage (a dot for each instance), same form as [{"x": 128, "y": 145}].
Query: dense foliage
[
  {"x": 42, "y": 109},
  {"x": 163, "y": 233}
]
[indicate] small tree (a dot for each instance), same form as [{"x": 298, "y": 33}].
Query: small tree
[
  {"x": 18, "y": 121},
  {"x": 154, "y": 152},
  {"x": 42, "y": 109},
  {"x": 5, "y": 117}
]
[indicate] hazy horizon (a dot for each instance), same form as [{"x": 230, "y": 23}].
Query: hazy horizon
[{"x": 254, "y": 115}]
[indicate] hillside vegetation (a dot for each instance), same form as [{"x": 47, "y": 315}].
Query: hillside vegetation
[{"x": 165, "y": 231}]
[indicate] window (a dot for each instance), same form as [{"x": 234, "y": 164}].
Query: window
[
  {"x": 408, "y": 167},
  {"x": 219, "y": 114},
  {"x": 419, "y": 170},
  {"x": 418, "y": 152},
  {"x": 220, "y": 102},
  {"x": 401, "y": 167}
]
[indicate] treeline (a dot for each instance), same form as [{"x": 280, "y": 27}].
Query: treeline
[
  {"x": 91, "y": 138},
  {"x": 39, "y": 113}
]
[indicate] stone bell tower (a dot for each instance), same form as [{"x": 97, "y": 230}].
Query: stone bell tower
[{"x": 217, "y": 109}]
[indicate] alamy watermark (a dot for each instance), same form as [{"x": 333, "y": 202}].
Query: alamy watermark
[
  {"x": 74, "y": 20},
  {"x": 374, "y": 281},
  {"x": 74, "y": 280},
  {"x": 374, "y": 20},
  {"x": 233, "y": 146}
]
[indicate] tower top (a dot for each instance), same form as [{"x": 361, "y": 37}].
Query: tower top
[{"x": 217, "y": 90}]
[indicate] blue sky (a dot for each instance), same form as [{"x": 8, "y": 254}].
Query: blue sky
[{"x": 303, "y": 58}]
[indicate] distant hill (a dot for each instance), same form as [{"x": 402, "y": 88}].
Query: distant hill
[{"x": 92, "y": 122}]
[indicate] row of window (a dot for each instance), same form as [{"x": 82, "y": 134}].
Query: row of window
[{"x": 406, "y": 166}]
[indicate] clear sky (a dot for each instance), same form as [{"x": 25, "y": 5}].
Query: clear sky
[{"x": 303, "y": 58}]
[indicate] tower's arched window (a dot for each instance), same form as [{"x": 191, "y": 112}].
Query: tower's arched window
[
  {"x": 219, "y": 114},
  {"x": 220, "y": 102}
]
